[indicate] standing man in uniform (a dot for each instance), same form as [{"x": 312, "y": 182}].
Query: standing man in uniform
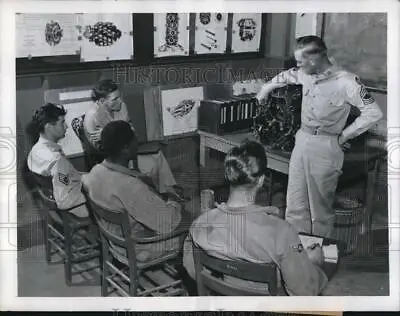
[
  {"x": 317, "y": 158},
  {"x": 47, "y": 159},
  {"x": 110, "y": 107}
]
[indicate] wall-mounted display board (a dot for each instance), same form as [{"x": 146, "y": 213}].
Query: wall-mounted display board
[
  {"x": 105, "y": 36},
  {"x": 99, "y": 41},
  {"x": 46, "y": 35},
  {"x": 171, "y": 34},
  {"x": 358, "y": 42},
  {"x": 246, "y": 32},
  {"x": 211, "y": 33}
]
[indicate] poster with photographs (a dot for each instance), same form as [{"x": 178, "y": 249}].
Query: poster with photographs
[
  {"x": 106, "y": 36},
  {"x": 171, "y": 34},
  {"x": 46, "y": 35},
  {"x": 179, "y": 109},
  {"x": 246, "y": 32},
  {"x": 211, "y": 33}
]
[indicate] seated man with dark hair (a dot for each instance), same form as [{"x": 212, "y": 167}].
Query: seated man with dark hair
[
  {"x": 47, "y": 158},
  {"x": 109, "y": 107},
  {"x": 113, "y": 185}
]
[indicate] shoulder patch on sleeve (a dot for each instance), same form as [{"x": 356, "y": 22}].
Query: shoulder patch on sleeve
[
  {"x": 63, "y": 178},
  {"x": 365, "y": 96}
]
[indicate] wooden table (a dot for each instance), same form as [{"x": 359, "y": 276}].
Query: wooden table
[{"x": 358, "y": 161}]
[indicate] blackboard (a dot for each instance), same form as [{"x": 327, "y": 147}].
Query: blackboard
[{"x": 358, "y": 42}]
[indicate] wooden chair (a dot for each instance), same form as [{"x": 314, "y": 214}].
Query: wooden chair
[
  {"x": 124, "y": 273},
  {"x": 73, "y": 238},
  {"x": 210, "y": 272},
  {"x": 92, "y": 156}
]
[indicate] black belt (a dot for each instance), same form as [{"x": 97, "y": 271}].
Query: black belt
[{"x": 316, "y": 131}]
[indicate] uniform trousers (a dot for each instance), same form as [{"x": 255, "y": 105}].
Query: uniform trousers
[
  {"x": 157, "y": 168},
  {"x": 314, "y": 170}
]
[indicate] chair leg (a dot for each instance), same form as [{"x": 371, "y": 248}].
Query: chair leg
[
  {"x": 104, "y": 272},
  {"x": 133, "y": 285},
  {"x": 68, "y": 256},
  {"x": 47, "y": 242}
]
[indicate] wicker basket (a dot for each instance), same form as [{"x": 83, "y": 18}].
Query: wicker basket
[{"x": 347, "y": 226}]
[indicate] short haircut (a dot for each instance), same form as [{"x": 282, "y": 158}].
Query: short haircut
[
  {"x": 48, "y": 113},
  {"x": 115, "y": 136},
  {"x": 103, "y": 88},
  {"x": 313, "y": 45},
  {"x": 244, "y": 164}
]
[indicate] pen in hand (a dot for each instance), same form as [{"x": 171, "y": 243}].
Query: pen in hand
[{"x": 313, "y": 246}]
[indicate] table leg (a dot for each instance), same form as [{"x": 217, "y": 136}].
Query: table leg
[{"x": 202, "y": 151}]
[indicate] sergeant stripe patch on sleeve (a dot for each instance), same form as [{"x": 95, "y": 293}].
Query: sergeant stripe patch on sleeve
[{"x": 364, "y": 94}]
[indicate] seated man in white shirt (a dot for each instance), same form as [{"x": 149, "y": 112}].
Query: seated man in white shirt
[
  {"x": 109, "y": 107},
  {"x": 47, "y": 159}
]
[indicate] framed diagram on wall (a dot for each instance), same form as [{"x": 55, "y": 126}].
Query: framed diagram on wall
[
  {"x": 46, "y": 35},
  {"x": 211, "y": 33},
  {"x": 106, "y": 36},
  {"x": 246, "y": 32},
  {"x": 171, "y": 34}
]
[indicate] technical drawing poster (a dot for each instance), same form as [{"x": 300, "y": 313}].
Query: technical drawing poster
[
  {"x": 246, "y": 32},
  {"x": 171, "y": 34},
  {"x": 179, "y": 109},
  {"x": 211, "y": 33},
  {"x": 46, "y": 35},
  {"x": 106, "y": 36},
  {"x": 71, "y": 144}
]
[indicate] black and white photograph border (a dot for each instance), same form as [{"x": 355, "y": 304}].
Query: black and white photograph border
[{"x": 16, "y": 230}]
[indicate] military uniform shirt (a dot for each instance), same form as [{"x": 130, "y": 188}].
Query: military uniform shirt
[
  {"x": 327, "y": 98},
  {"x": 256, "y": 234},
  {"x": 118, "y": 188},
  {"x": 47, "y": 159}
]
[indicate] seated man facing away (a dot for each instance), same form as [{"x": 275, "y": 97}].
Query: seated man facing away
[
  {"x": 46, "y": 158},
  {"x": 241, "y": 230},
  {"x": 114, "y": 186},
  {"x": 109, "y": 107}
]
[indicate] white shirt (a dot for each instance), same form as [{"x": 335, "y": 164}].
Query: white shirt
[
  {"x": 47, "y": 159},
  {"x": 327, "y": 98}
]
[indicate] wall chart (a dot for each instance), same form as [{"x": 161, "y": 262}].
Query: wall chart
[
  {"x": 171, "y": 34},
  {"x": 211, "y": 33},
  {"x": 46, "y": 35},
  {"x": 106, "y": 36},
  {"x": 179, "y": 109},
  {"x": 246, "y": 32}
]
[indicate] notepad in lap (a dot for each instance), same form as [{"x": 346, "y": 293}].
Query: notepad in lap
[
  {"x": 307, "y": 241},
  {"x": 330, "y": 253}
]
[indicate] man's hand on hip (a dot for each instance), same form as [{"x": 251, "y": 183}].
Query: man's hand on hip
[{"x": 343, "y": 143}]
